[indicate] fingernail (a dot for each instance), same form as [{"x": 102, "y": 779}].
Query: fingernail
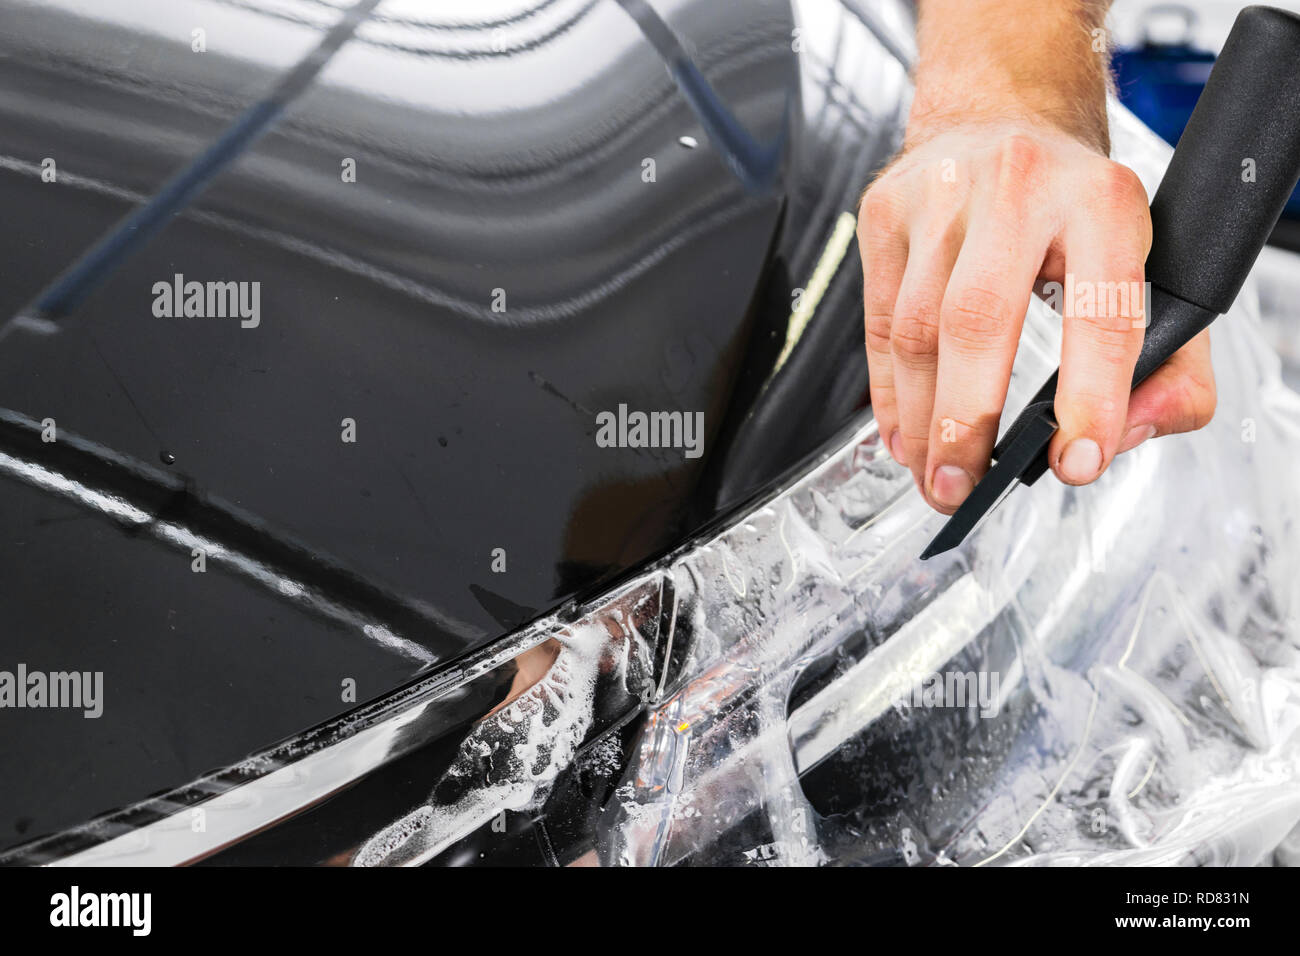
[
  {"x": 896, "y": 447},
  {"x": 951, "y": 485},
  {"x": 1136, "y": 436},
  {"x": 1081, "y": 461}
]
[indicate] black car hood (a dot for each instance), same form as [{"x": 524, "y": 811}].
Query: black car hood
[{"x": 550, "y": 218}]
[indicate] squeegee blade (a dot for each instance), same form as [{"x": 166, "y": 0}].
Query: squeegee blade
[{"x": 995, "y": 485}]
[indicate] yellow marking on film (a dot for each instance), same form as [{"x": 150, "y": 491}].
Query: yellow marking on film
[
  {"x": 1138, "y": 789},
  {"x": 836, "y": 248}
]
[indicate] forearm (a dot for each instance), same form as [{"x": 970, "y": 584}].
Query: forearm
[{"x": 998, "y": 60}]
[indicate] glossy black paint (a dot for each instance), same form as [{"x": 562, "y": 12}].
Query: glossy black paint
[{"x": 481, "y": 165}]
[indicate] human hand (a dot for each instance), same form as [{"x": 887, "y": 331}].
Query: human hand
[{"x": 955, "y": 236}]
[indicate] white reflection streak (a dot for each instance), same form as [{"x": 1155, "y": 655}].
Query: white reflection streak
[
  {"x": 794, "y": 560},
  {"x": 183, "y": 538},
  {"x": 696, "y": 222},
  {"x": 888, "y": 673}
]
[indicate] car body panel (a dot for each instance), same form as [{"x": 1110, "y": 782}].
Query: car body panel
[{"x": 487, "y": 158}]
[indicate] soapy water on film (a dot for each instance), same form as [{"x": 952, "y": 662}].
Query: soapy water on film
[
  {"x": 523, "y": 746},
  {"x": 1142, "y": 636}
]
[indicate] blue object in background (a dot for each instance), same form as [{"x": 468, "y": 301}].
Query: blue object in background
[{"x": 1160, "y": 82}]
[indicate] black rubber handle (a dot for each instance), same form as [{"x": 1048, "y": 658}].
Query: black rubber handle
[{"x": 1235, "y": 166}]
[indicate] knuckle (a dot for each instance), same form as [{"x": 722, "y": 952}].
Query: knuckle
[
  {"x": 1113, "y": 337},
  {"x": 1109, "y": 408},
  {"x": 1117, "y": 306},
  {"x": 879, "y": 212},
  {"x": 973, "y": 431},
  {"x": 1109, "y": 329},
  {"x": 915, "y": 336},
  {"x": 977, "y": 317},
  {"x": 1098, "y": 405},
  {"x": 879, "y": 326},
  {"x": 1118, "y": 187}
]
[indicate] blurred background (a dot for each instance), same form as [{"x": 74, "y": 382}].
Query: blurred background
[
  {"x": 1164, "y": 52},
  {"x": 1212, "y": 19}
]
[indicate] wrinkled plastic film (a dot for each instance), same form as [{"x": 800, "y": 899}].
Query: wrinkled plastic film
[{"x": 1142, "y": 631}]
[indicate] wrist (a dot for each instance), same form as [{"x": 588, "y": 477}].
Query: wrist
[
  {"x": 1082, "y": 121},
  {"x": 1012, "y": 62}
]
